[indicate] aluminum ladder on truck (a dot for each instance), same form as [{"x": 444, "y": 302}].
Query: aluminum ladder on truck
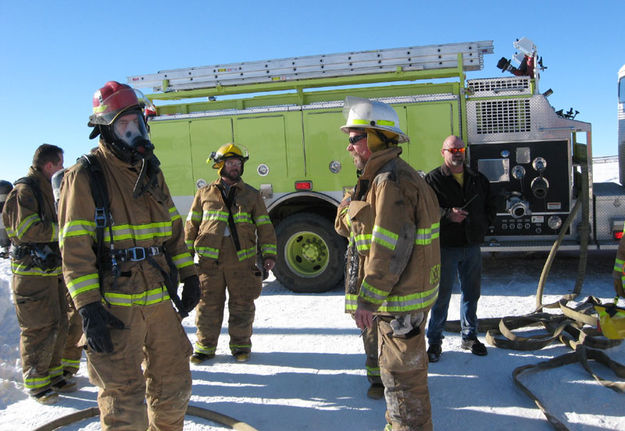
[{"x": 395, "y": 61}]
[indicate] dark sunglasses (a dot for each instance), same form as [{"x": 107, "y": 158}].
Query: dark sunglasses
[
  {"x": 354, "y": 139},
  {"x": 455, "y": 150}
]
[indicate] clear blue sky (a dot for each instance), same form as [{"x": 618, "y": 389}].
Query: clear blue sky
[{"x": 54, "y": 55}]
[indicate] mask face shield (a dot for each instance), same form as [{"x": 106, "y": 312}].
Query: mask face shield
[{"x": 131, "y": 130}]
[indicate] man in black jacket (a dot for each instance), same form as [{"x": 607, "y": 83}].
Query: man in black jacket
[{"x": 467, "y": 209}]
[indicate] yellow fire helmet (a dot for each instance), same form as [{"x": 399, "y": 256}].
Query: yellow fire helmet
[
  {"x": 611, "y": 320},
  {"x": 225, "y": 152}
]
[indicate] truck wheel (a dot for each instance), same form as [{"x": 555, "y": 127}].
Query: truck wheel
[{"x": 310, "y": 254}]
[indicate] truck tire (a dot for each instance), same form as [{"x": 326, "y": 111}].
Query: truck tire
[{"x": 311, "y": 254}]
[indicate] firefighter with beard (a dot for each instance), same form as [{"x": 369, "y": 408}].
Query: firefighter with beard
[
  {"x": 392, "y": 222},
  {"x": 225, "y": 220},
  {"x": 38, "y": 288},
  {"x": 138, "y": 352}
]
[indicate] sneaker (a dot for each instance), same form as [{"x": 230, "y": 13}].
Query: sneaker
[
  {"x": 46, "y": 397},
  {"x": 198, "y": 358},
  {"x": 475, "y": 346},
  {"x": 376, "y": 391},
  {"x": 242, "y": 356},
  {"x": 434, "y": 352},
  {"x": 64, "y": 386}
]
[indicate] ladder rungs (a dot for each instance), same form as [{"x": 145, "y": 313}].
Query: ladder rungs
[{"x": 320, "y": 66}]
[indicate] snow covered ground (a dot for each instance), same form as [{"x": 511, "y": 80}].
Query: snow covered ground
[
  {"x": 307, "y": 367},
  {"x": 306, "y": 371}
]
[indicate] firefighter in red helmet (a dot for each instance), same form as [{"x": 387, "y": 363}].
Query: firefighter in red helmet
[{"x": 122, "y": 268}]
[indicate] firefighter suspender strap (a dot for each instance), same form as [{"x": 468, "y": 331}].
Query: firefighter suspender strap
[
  {"x": 102, "y": 216},
  {"x": 103, "y": 219},
  {"x": 32, "y": 183}
]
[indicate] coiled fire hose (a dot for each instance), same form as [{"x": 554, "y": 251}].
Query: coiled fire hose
[{"x": 568, "y": 328}]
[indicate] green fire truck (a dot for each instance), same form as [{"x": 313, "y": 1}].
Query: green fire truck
[{"x": 287, "y": 113}]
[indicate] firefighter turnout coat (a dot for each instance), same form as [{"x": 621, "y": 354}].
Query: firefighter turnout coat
[
  {"x": 144, "y": 228},
  {"x": 208, "y": 219},
  {"x": 38, "y": 288},
  {"x": 393, "y": 222},
  {"x": 224, "y": 267}
]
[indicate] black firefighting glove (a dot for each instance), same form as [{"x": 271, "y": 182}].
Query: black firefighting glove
[
  {"x": 96, "y": 322},
  {"x": 190, "y": 293}
]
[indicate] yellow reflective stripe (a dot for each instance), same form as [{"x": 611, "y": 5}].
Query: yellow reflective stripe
[
  {"x": 70, "y": 363},
  {"x": 183, "y": 260},
  {"x": 363, "y": 241},
  {"x": 144, "y": 298},
  {"x": 210, "y": 252},
  {"x": 373, "y": 371},
  {"x": 618, "y": 265},
  {"x": 384, "y": 237},
  {"x": 240, "y": 346},
  {"x": 83, "y": 284},
  {"x": 173, "y": 214},
  {"x": 263, "y": 219},
  {"x": 194, "y": 215},
  {"x": 269, "y": 249},
  {"x": 56, "y": 371},
  {"x": 351, "y": 302},
  {"x": 55, "y": 232},
  {"x": 21, "y": 269},
  {"x": 247, "y": 253},
  {"x": 77, "y": 228},
  {"x": 214, "y": 215},
  {"x": 378, "y": 122},
  {"x": 412, "y": 302},
  {"x": 425, "y": 236},
  {"x": 36, "y": 382},
  {"x": 140, "y": 232},
  {"x": 242, "y": 218},
  {"x": 372, "y": 294},
  {"x": 203, "y": 349},
  {"x": 26, "y": 223},
  {"x": 415, "y": 301}
]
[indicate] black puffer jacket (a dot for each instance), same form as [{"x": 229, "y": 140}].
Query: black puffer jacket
[{"x": 481, "y": 209}]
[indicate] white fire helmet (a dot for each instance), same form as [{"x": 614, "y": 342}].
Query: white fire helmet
[{"x": 371, "y": 114}]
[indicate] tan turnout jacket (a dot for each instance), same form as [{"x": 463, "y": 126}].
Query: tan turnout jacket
[
  {"x": 24, "y": 224},
  {"x": 396, "y": 231},
  {"x": 208, "y": 218},
  {"x": 151, "y": 220}
]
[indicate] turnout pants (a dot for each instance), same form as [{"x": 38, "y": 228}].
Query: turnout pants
[
  {"x": 40, "y": 306},
  {"x": 72, "y": 352},
  {"x": 370, "y": 343},
  {"x": 150, "y": 362},
  {"x": 243, "y": 281},
  {"x": 404, "y": 372}
]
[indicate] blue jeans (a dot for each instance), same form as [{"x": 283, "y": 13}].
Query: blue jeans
[{"x": 465, "y": 264}]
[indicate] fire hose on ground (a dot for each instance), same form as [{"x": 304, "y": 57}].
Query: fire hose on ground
[
  {"x": 568, "y": 328},
  {"x": 191, "y": 410}
]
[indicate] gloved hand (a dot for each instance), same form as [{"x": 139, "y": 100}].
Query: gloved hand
[
  {"x": 95, "y": 323},
  {"x": 190, "y": 293}
]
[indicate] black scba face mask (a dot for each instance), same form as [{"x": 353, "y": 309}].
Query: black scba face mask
[{"x": 131, "y": 132}]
